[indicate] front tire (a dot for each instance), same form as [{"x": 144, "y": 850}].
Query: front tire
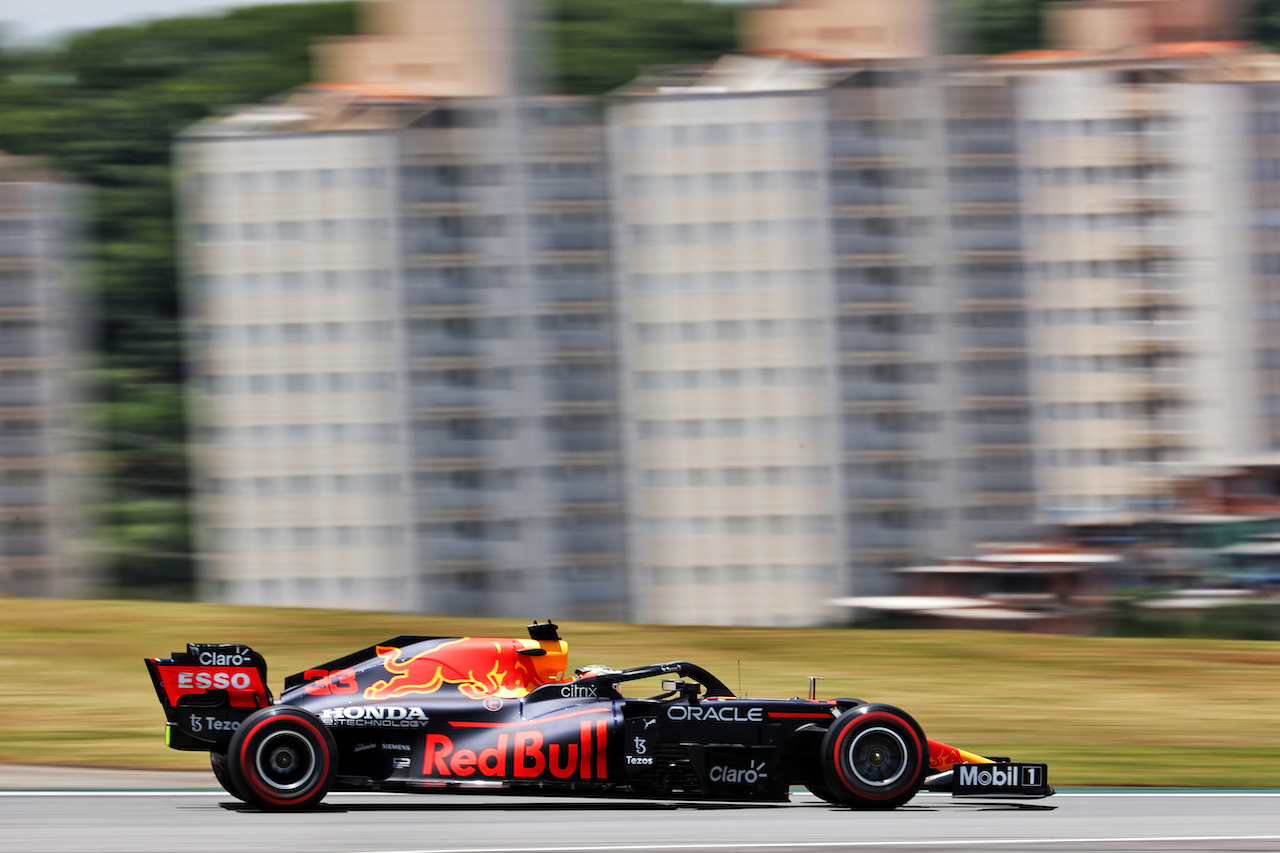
[
  {"x": 282, "y": 758},
  {"x": 874, "y": 757}
]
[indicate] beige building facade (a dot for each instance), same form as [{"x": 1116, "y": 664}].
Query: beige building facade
[
  {"x": 43, "y": 482},
  {"x": 732, "y": 417}
]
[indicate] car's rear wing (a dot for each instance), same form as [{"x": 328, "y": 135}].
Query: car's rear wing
[{"x": 206, "y": 691}]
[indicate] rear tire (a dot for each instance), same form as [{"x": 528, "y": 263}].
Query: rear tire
[
  {"x": 223, "y": 774},
  {"x": 282, "y": 758},
  {"x": 823, "y": 793},
  {"x": 874, "y": 757}
]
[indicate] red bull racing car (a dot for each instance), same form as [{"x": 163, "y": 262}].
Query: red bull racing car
[{"x": 421, "y": 714}]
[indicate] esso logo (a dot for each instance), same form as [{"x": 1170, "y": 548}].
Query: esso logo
[{"x": 214, "y": 680}]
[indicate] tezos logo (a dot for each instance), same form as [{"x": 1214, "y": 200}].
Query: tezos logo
[
  {"x": 637, "y": 756},
  {"x": 738, "y": 775},
  {"x": 729, "y": 714},
  {"x": 213, "y": 724}
]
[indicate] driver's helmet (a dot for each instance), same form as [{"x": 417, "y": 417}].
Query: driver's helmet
[{"x": 593, "y": 670}]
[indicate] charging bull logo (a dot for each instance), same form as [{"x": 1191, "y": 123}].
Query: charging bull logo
[
  {"x": 478, "y": 668},
  {"x": 943, "y": 757}
]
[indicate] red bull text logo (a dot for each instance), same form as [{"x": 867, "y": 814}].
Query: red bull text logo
[
  {"x": 478, "y": 668},
  {"x": 522, "y": 755}
]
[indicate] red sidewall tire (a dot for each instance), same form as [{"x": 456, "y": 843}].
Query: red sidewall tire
[
  {"x": 874, "y": 733},
  {"x": 282, "y": 758}
]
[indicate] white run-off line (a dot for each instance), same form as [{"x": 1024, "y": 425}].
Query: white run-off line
[{"x": 847, "y": 845}]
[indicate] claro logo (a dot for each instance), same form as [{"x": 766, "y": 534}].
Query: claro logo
[
  {"x": 739, "y": 775},
  {"x": 727, "y": 714},
  {"x": 240, "y": 657}
]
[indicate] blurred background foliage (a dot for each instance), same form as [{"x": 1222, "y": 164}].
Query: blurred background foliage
[{"x": 104, "y": 106}]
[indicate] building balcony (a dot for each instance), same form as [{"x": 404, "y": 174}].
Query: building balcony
[
  {"x": 1004, "y": 384},
  {"x": 24, "y": 546},
  {"x": 993, "y": 287},
  {"x": 875, "y": 439},
  {"x": 23, "y": 445},
  {"x": 1003, "y": 143},
  {"x": 586, "y": 188},
  {"x": 23, "y": 496},
  {"x": 982, "y": 239},
  {"x": 873, "y": 488},
  {"x": 1013, "y": 336},
  {"x": 442, "y": 446},
  {"x": 443, "y": 295},
  {"x": 436, "y": 550},
  {"x": 575, "y": 240},
  {"x": 19, "y": 346},
  {"x": 447, "y": 395},
  {"x": 574, "y": 291},
  {"x": 583, "y": 442},
  {"x": 434, "y": 499},
  {"x": 579, "y": 339},
  {"x": 23, "y": 395},
  {"x": 996, "y": 433},
  {"x": 865, "y": 244},
  {"x": 589, "y": 542},
  {"x": 441, "y": 345},
  {"x": 858, "y": 194},
  {"x": 577, "y": 390},
  {"x": 858, "y": 146},
  {"x": 587, "y": 491},
  {"x": 980, "y": 193}
]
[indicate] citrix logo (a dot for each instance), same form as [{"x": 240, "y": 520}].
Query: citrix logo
[{"x": 578, "y": 691}]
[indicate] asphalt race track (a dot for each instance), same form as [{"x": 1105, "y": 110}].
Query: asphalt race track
[{"x": 191, "y": 821}]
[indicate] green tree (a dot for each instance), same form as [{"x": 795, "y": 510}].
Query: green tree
[
  {"x": 104, "y": 107},
  {"x": 598, "y": 45},
  {"x": 996, "y": 26}
]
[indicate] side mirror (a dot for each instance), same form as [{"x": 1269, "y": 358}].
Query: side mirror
[{"x": 687, "y": 689}]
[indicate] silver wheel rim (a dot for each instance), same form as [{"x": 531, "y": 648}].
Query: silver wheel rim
[
  {"x": 285, "y": 760},
  {"x": 877, "y": 747}
]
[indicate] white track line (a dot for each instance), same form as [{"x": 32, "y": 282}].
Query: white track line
[{"x": 798, "y": 845}]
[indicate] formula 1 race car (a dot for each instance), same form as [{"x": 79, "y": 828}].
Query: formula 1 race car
[{"x": 421, "y": 714}]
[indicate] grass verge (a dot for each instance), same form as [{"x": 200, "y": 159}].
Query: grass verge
[{"x": 1100, "y": 711}]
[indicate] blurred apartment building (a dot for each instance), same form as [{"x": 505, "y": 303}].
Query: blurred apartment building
[
  {"x": 400, "y": 294},
  {"x": 40, "y": 488},
  {"x": 742, "y": 339}
]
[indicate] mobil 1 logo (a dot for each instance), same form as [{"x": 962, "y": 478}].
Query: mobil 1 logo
[{"x": 1001, "y": 780}]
